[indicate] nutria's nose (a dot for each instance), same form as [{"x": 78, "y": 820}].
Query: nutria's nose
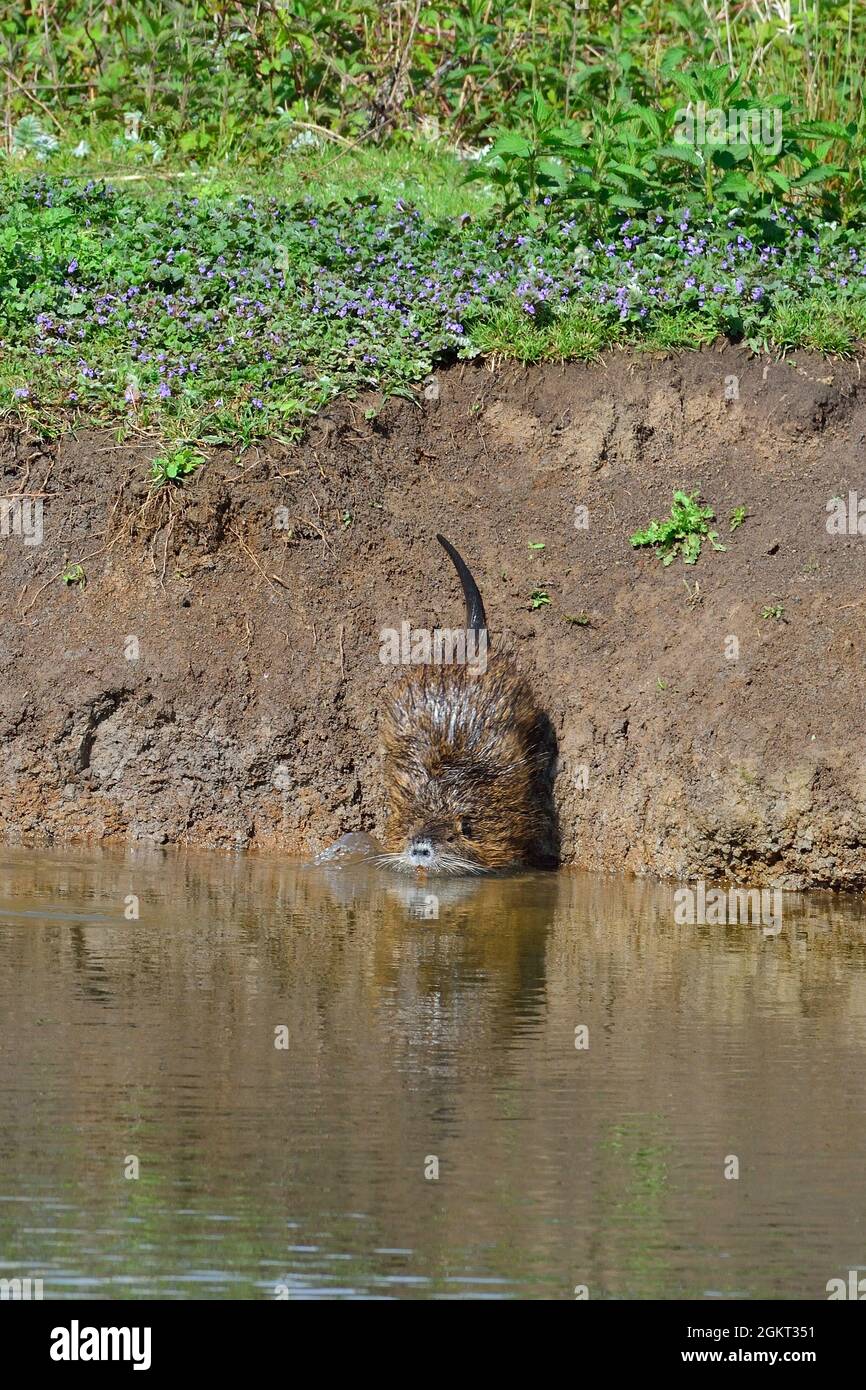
[{"x": 420, "y": 852}]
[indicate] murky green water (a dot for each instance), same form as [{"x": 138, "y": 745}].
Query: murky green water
[{"x": 412, "y": 1040}]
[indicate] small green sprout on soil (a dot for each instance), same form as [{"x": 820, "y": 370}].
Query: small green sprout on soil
[
  {"x": 174, "y": 465},
  {"x": 738, "y": 516},
  {"x": 774, "y": 611},
  {"x": 578, "y": 619},
  {"x": 539, "y": 598},
  {"x": 683, "y": 532},
  {"x": 74, "y": 574},
  {"x": 536, "y": 545}
]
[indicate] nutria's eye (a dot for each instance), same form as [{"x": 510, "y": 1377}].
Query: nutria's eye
[{"x": 465, "y": 827}]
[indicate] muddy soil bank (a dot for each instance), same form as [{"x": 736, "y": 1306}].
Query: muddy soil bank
[{"x": 217, "y": 679}]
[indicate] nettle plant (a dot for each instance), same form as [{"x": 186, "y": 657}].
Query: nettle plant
[{"x": 701, "y": 140}]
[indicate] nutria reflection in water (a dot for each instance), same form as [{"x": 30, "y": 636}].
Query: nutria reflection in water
[{"x": 467, "y": 754}]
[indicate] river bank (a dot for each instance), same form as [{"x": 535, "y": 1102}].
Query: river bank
[{"x": 199, "y": 664}]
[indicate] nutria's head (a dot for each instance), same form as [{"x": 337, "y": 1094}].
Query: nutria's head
[
  {"x": 461, "y": 756},
  {"x": 459, "y": 819}
]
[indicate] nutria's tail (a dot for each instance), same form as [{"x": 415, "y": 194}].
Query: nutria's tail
[{"x": 475, "y": 617}]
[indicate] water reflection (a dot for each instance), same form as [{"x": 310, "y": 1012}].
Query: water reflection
[{"x": 142, "y": 995}]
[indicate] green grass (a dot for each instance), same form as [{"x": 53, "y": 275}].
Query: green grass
[
  {"x": 579, "y": 334},
  {"x": 526, "y": 165},
  {"x": 431, "y": 178},
  {"x": 682, "y": 330},
  {"x": 826, "y": 323}
]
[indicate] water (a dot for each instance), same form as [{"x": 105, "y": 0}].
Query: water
[{"x": 301, "y": 1169}]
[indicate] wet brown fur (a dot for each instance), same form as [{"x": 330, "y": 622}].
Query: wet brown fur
[{"x": 463, "y": 751}]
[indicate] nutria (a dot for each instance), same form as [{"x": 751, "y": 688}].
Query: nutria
[{"x": 464, "y": 746}]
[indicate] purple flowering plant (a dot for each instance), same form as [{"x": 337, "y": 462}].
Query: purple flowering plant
[{"x": 239, "y": 316}]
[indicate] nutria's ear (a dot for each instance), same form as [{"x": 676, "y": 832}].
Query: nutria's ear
[{"x": 476, "y": 620}]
